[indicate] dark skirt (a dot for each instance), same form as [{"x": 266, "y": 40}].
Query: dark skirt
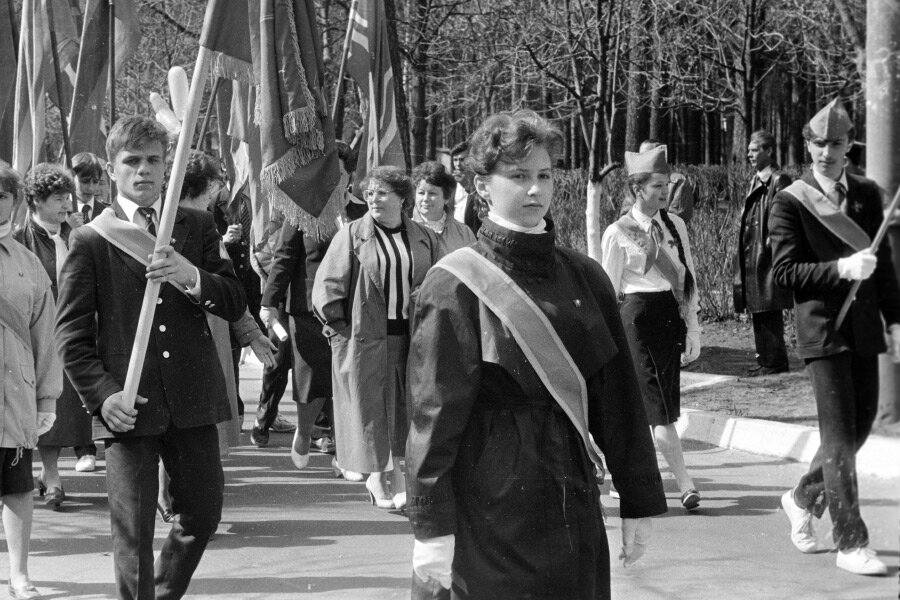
[
  {"x": 312, "y": 359},
  {"x": 73, "y": 422},
  {"x": 655, "y": 333}
]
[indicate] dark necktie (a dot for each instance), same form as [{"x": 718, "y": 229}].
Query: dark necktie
[
  {"x": 656, "y": 241},
  {"x": 839, "y": 197},
  {"x": 86, "y": 211},
  {"x": 246, "y": 221},
  {"x": 148, "y": 214}
]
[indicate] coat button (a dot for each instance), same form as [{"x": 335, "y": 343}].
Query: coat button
[
  {"x": 159, "y": 300},
  {"x": 166, "y": 354},
  {"x": 162, "y": 327}
]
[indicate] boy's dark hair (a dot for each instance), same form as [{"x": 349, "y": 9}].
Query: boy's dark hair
[
  {"x": 88, "y": 165},
  {"x": 347, "y": 155},
  {"x": 460, "y": 148},
  {"x": 201, "y": 170},
  {"x": 763, "y": 139},
  {"x": 131, "y": 132},
  {"x": 434, "y": 173},
  {"x": 45, "y": 179},
  {"x": 10, "y": 180}
]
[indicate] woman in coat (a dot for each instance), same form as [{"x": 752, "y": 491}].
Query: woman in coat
[
  {"x": 48, "y": 190},
  {"x": 434, "y": 206},
  {"x": 648, "y": 259},
  {"x": 363, "y": 294},
  {"x": 519, "y": 377}
]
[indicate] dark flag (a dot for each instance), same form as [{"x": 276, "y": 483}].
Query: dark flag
[
  {"x": 369, "y": 63},
  {"x": 9, "y": 35},
  {"x": 91, "y": 80}
]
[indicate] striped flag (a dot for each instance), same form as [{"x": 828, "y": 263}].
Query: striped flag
[
  {"x": 369, "y": 64},
  {"x": 9, "y": 35},
  {"x": 91, "y": 80},
  {"x": 29, "y": 130}
]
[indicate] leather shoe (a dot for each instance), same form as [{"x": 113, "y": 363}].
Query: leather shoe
[
  {"x": 690, "y": 500},
  {"x": 763, "y": 371},
  {"x": 282, "y": 425},
  {"x": 380, "y": 500},
  {"x": 86, "y": 463},
  {"x": 300, "y": 460},
  {"x": 325, "y": 444},
  {"x": 26, "y": 592},
  {"x": 860, "y": 561},
  {"x": 802, "y": 533},
  {"x": 258, "y": 437},
  {"x": 53, "y": 497}
]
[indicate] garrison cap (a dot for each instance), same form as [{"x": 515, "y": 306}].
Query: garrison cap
[
  {"x": 650, "y": 161},
  {"x": 832, "y": 122}
]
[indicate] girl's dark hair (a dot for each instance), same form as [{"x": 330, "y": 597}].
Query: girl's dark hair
[
  {"x": 509, "y": 137},
  {"x": 396, "y": 179},
  {"x": 201, "y": 170},
  {"x": 636, "y": 180},
  {"x": 45, "y": 179},
  {"x": 434, "y": 173},
  {"x": 688, "y": 276}
]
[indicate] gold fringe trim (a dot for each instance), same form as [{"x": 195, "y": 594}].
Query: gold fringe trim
[
  {"x": 302, "y": 128},
  {"x": 229, "y": 67},
  {"x": 326, "y": 223}
]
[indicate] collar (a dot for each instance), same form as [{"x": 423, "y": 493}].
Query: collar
[
  {"x": 539, "y": 228},
  {"x": 437, "y": 226},
  {"x": 826, "y": 183},
  {"x": 765, "y": 175},
  {"x": 6, "y": 237},
  {"x": 130, "y": 207},
  {"x": 643, "y": 220},
  {"x": 37, "y": 221}
]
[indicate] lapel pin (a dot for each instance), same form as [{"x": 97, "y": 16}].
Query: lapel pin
[{"x": 577, "y": 303}]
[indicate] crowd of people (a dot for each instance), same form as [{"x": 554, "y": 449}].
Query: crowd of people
[{"x": 441, "y": 345}]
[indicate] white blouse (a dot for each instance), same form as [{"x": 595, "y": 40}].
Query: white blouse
[{"x": 624, "y": 261}]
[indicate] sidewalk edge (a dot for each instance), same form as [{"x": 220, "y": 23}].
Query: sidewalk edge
[{"x": 878, "y": 457}]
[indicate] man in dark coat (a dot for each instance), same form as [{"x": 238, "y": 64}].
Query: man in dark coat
[
  {"x": 289, "y": 283},
  {"x": 822, "y": 228},
  {"x": 181, "y": 389},
  {"x": 754, "y": 290}
]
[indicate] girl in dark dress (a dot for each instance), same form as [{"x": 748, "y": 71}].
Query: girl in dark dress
[{"x": 519, "y": 376}]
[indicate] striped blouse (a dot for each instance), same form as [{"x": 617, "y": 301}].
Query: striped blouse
[{"x": 395, "y": 262}]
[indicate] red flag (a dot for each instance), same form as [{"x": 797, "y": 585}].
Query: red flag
[
  {"x": 91, "y": 82},
  {"x": 369, "y": 64},
  {"x": 299, "y": 157},
  {"x": 227, "y": 34},
  {"x": 9, "y": 35}
]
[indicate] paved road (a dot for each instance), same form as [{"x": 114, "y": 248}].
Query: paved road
[{"x": 289, "y": 534}]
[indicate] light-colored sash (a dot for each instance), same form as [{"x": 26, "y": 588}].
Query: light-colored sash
[
  {"x": 671, "y": 272},
  {"x": 13, "y": 319},
  {"x": 134, "y": 241},
  {"x": 842, "y": 226},
  {"x": 533, "y": 333}
]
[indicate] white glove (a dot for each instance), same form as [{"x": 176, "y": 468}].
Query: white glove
[
  {"x": 433, "y": 559},
  {"x": 858, "y": 266},
  {"x": 45, "y": 421},
  {"x": 691, "y": 348},
  {"x": 635, "y": 539},
  {"x": 267, "y": 315},
  {"x": 894, "y": 342}
]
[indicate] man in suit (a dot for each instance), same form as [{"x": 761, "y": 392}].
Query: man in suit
[
  {"x": 182, "y": 387},
  {"x": 821, "y": 228},
  {"x": 754, "y": 290},
  {"x": 289, "y": 283}
]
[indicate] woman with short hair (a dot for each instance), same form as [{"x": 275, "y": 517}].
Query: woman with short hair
[
  {"x": 519, "y": 378},
  {"x": 363, "y": 294},
  {"x": 434, "y": 188},
  {"x": 647, "y": 255}
]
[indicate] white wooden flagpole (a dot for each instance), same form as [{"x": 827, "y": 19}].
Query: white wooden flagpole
[{"x": 167, "y": 222}]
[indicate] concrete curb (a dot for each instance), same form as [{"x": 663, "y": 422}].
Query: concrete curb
[{"x": 880, "y": 456}]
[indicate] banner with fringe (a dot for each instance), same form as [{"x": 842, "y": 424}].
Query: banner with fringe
[
  {"x": 229, "y": 39},
  {"x": 299, "y": 158}
]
